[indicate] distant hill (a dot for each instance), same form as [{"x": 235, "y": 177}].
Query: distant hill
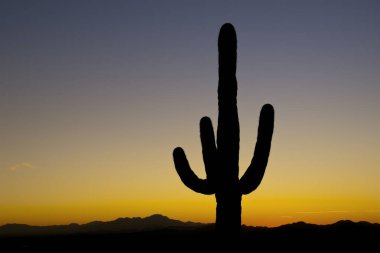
[
  {"x": 120, "y": 225},
  {"x": 159, "y": 232}
]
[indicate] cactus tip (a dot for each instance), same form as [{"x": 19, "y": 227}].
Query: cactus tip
[
  {"x": 177, "y": 151},
  {"x": 268, "y": 107}
]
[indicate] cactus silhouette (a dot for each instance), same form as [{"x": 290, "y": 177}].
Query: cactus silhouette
[{"x": 221, "y": 159}]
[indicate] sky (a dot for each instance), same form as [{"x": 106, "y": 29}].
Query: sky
[{"x": 95, "y": 95}]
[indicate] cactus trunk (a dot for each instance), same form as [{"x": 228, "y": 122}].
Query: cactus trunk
[
  {"x": 221, "y": 157},
  {"x": 228, "y": 212}
]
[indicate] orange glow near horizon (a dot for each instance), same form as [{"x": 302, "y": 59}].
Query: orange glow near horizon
[
  {"x": 89, "y": 188},
  {"x": 256, "y": 211},
  {"x": 274, "y": 203}
]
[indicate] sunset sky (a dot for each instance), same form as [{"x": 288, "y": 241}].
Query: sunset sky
[{"x": 95, "y": 95}]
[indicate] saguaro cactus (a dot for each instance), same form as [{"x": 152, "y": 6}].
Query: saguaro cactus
[{"x": 221, "y": 159}]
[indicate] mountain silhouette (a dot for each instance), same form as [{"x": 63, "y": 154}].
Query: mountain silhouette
[
  {"x": 160, "y": 232},
  {"x": 120, "y": 225}
]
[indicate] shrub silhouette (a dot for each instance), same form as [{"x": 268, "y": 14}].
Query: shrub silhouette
[{"x": 221, "y": 159}]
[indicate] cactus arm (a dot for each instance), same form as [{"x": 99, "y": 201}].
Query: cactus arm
[
  {"x": 187, "y": 176},
  {"x": 255, "y": 172},
  {"x": 228, "y": 120},
  {"x": 209, "y": 150}
]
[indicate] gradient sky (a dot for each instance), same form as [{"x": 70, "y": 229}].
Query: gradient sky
[{"x": 94, "y": 96}]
